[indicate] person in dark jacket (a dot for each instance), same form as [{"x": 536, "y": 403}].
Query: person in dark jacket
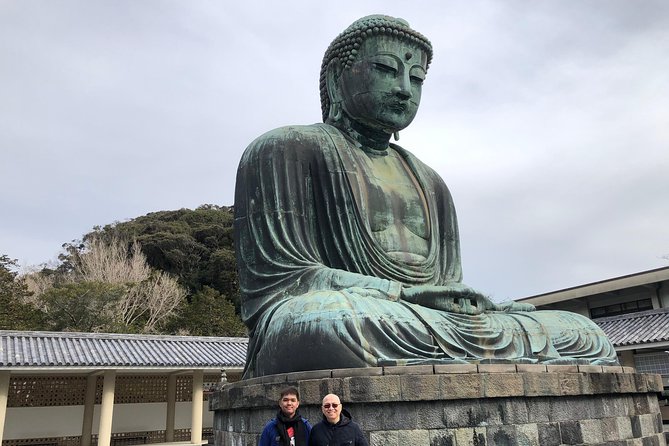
[
  {"x": 288, "y": 428},
  {"x": 337, "y": 428}
]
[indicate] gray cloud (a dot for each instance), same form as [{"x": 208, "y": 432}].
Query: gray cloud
[{"x": 548, "y": 120}]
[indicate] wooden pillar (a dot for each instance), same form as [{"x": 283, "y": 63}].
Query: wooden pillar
[
  {"x": 107, "y": 409},
  {"x": 198, "y": 400},
  {"x": 89, "y": 408},
  {"x": 171, "y": 407},
  {"x": 4, "y": 395}
]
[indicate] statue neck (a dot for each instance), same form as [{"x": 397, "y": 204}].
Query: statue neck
[{"x": 371, "y": 140}]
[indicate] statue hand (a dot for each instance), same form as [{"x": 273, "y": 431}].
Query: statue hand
[
  {"x": 514, "y": 306},
  {"x": 454, "y": 297}
]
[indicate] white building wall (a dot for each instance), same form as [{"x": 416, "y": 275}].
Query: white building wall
[{"x": 60, "y": 421}]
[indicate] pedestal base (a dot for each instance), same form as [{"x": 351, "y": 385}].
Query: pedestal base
[{"x": 455, "y": 405}]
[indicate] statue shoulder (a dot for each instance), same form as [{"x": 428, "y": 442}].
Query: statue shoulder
[{"x": 289, "y": 139}]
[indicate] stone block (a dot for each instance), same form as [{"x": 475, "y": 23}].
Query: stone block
[
  {"x": 497, "y": 368},
  {"x": 612, "y": 369},
  {"x": 271, "y": 379},
  {"x": 254, "y": 395},
  {"x": 603, "y": 382},
  {"x": 531, "y": 368},
  {"x": 624, "y": 425},
  {"x": 413, "y": 436},
  {"x": 362, "y": 371},
  {"x": 591, "y": 431},
  {"x": 470, "y": 437},
  {"x": 441, "y": 437},
  {"x": 654, "y": 382},
  {"x": 570, "y": 432},
  {"x": 420, "y": 387},
  {"x": 641, "y": 383},
  {"x": 537, "y": 384},
  {"x": 538, "y": 410},
  {"x": 648, "y": 426},
  {"x": 562, "y": 368},
  {"x": 512, "y": 411},
  {"x": 430, "y": 416},
  {"x": 503, "y": 385},
  {"x": 528, "y": 435},
  {"x": 455, "y": 368},
  {"x": 501, "y": 435},
  {"x": 549, "y": 434},
  {"x": 374, "y": 417},
  {"x": 361, "y": 389},
  {"x": 409, "y": 370},
  {"x": 626, "y": 383},
  {"x": 570, "y": 383},
  {"x": 384, "y": 438},
  {"x": 312, "y": 391},
  {"x": 461, "y": 386},
  {"x": 310, "y": 374},
  {"x": 590, "y": 368},
  {"x": 609, "y": 429},
  {"x": 629, "y": 369}
]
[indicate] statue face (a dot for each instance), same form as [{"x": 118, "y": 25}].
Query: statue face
[{"x": 382, "y": 88}]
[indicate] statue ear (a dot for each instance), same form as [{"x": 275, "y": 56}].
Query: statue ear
[{"x": 333, "y": 74}]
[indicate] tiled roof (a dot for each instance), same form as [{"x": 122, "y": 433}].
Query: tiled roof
[
  {"x": 56, "y": 349},
  {"x": 637, "y": 328}
]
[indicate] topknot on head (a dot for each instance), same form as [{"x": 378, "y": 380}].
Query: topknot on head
[{"x": 344, "y": 48}]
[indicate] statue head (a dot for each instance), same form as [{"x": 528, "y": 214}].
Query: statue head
[{"x": 373, "y": 73}]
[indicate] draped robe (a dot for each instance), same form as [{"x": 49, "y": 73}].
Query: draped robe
[{"x": 319, "y": 292}]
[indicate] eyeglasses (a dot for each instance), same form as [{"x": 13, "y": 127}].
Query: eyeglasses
[{"x": 328, "y": 405}]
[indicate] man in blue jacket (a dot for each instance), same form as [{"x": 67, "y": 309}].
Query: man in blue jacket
[
  {"x": 288, "y": 428},
  {"x": 336, "y": 428}
]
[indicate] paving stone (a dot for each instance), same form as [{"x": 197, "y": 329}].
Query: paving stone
[
  {"x": 590, "y": 368},
  {"x": 455, "y": 368},
  {"x": 531, "y": 368},
  {"x": 409, "y": 370},
  {"x": 361, "y": 371},
  {"x": 497, "y": 368},
  {"x": 562, "y": 368}
]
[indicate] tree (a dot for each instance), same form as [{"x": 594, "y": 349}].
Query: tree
[
  {"x": 108, "y": 286},
  {"x": 209, "y": 314},
  {"x": 15, "y": 313}
]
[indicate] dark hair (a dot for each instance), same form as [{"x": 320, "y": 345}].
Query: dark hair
[
  {"x": 344, "y": 48},
  {"x": 290, "y": 391}
]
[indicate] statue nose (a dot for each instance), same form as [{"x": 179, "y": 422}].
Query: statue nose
[{"x": 401, "y": 92}]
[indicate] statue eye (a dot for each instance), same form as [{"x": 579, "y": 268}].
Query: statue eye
[
  {"x": 417, "y": 80},
  {"x": 384, "y": 68}
]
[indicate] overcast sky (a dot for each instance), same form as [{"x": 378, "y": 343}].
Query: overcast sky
[{"x": 548, "y": 120}]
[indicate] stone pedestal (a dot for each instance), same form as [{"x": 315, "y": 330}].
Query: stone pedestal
[{"x": 456, "y": 405}]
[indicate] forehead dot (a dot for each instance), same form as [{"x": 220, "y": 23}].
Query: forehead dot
[{"x": 408, "y": 55}]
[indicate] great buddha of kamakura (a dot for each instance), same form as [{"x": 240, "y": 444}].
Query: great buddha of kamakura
[{"x": 347, "y": 244}]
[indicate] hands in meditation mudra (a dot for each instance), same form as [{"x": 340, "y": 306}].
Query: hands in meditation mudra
[{"x": 347, "y": 244}]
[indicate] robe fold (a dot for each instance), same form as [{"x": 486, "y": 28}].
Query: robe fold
[{"x": 319, "y": 292}]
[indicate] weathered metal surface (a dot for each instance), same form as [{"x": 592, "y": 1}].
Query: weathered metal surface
[{"x": 347, "y": 244}]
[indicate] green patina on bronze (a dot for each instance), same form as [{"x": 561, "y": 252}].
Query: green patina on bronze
[{"x": 347, "y": 244}]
